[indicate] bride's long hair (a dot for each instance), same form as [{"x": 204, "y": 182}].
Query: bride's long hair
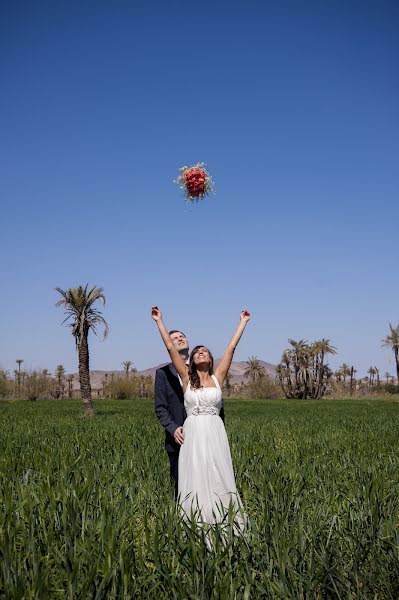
[{"x": 192, "y": 371}]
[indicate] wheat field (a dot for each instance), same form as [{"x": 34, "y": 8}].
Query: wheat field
[{"x": 86, "y": 507}]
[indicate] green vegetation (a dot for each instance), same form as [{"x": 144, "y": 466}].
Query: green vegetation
[{"x": 87, "y": 510}]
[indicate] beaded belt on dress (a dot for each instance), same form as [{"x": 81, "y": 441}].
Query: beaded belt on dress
[{"x": 204, "y": 410}]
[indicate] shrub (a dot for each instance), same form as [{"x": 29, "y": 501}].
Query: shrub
[
  {"x": 133, "y": 387},
  {"x": 262, "y": 388},
  {"x": 4, "y": 385},
  {"x": 391, "y": 388},
  {"x": 36, "y": 385}
]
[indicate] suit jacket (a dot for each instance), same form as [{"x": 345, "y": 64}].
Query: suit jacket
[{"x": 169, "y": 404}]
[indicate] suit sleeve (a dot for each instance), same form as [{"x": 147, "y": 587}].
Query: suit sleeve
[{"x": 161, "y": 404}]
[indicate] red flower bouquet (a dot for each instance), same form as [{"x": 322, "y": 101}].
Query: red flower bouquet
[{"x": 195, "y": 181}]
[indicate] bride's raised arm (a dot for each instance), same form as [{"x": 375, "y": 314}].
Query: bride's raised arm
[
  {"x": 176, "y": 359},
  {"x": 224, "y": 366}
]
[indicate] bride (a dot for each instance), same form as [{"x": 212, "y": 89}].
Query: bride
[{"x": 207, "y": 488}]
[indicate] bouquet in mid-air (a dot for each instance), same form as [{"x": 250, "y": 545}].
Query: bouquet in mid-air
[{"x": 195, "y": 181}]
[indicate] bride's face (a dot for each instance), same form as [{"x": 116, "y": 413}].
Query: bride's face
[{"x": 202, "y": 356}]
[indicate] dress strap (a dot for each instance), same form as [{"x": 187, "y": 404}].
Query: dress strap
[{"x": 215, "y": 379}]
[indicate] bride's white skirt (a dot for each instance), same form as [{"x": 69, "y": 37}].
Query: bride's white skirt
[{"x": 207, "y": 487}]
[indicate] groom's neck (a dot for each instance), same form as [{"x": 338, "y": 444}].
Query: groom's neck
[{"x": 184, "y": 355}]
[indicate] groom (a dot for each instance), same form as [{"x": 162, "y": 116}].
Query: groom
[{"x": 169, "y": 404}]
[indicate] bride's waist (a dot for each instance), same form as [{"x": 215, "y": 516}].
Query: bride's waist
[{"x": 197, "y": 411}]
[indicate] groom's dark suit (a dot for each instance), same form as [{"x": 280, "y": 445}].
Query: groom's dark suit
[{"x": 169, "y": 408}]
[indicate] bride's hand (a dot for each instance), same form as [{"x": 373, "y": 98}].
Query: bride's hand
[
  {"x": 245, "y": 316},
  {"x": 156, "y": 313}
]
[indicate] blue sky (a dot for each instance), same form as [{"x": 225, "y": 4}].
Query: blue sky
[{"x": 294, "y": 108}]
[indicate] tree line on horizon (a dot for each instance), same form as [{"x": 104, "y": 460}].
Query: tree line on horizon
[{"x": 302, "y": 372}]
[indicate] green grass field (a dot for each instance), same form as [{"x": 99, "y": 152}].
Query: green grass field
[{"x": 86, "y": 509}]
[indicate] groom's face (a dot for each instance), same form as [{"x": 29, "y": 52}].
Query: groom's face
[{"x": 180, "y": 341}]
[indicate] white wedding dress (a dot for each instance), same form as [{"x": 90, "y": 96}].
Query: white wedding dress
[{"x": 207, "y": 487}]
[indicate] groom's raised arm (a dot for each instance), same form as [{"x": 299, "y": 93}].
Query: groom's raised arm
[{"x": 177, "y": 360}]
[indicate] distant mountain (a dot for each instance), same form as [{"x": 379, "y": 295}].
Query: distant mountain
[{"x": 237, "y": 373}]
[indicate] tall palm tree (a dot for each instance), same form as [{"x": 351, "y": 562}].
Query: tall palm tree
[
  {"x": 324, "y": 347},
  {"x": 299, "y": 356},
  {"x": 105, "y": 380},
  {"x": 254, "y": 369},
  {"x": 19, "y": 362},
  {"x": 392, "y": 341},
  {"x": 78, "y": 304},
  {"x": 60, "y": 374},
  {"x": 371, "y": 372},
  {"x": 283, "y": 376},
  {"x": 352, "y": 376},
  {"x": 321, "y": 348},
  {"x": 377, "y": 373},
  {"x": 70, "y": 382},
  {"x": 127, "y": 364},
  {"x": 345, "y": 371}
]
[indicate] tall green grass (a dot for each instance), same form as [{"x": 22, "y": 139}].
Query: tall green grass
[{"x": 86, "y": 509}]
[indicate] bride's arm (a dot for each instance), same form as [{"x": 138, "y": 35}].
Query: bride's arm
[
  {"x": 224, "y": 366},
  {"x": 176, "y": 359}
]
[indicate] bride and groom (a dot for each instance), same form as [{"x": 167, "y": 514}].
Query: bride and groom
[{"x": 188, "y": 403}]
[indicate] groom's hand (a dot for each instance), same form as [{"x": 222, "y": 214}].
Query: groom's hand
[
  {"x": 156, "y": 313},
  {"x": 179, "y": 436}
]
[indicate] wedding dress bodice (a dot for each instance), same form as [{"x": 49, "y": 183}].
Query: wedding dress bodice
[{"x": 203, "y": 401}]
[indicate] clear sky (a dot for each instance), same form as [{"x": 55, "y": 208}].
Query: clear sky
[{"x": 293, "y": 106}]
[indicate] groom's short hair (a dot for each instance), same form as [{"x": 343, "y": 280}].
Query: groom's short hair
[{"x": 177, "y": 331}]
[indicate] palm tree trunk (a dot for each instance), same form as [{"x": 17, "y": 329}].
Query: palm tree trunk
[
  {"x": 397, "y": 365},
  {"x": 320, "y": 376},
  {"x": 84, "y": 377}
]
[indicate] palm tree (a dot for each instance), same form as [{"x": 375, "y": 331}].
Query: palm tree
[
  {"x": 105, "y": 380},
  {"x": 19, "y": 362},
  {"x": 302, "y": 372},
  {"x": 128, "y": 366},
  {"x": 345, "y": 371},
  {"x": 70, "y": 381},
  {"x": 392, "y": 341},
  {"x": 283, "y": 375},
  {"x": 60, "y": 374},
  {"x": 377, "y": 373},
  {"x": 299, "y": 355},
  {"x": 254, "y": 369},
  {"x": 321, "y": 348},
  {"x": 387, "y": 376},
  {"x": 78, "y": 304},
  {"x": 371, "y": 372},
  {"x": 295, "y": 369},
  {"x": 352, "y": 376}
]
